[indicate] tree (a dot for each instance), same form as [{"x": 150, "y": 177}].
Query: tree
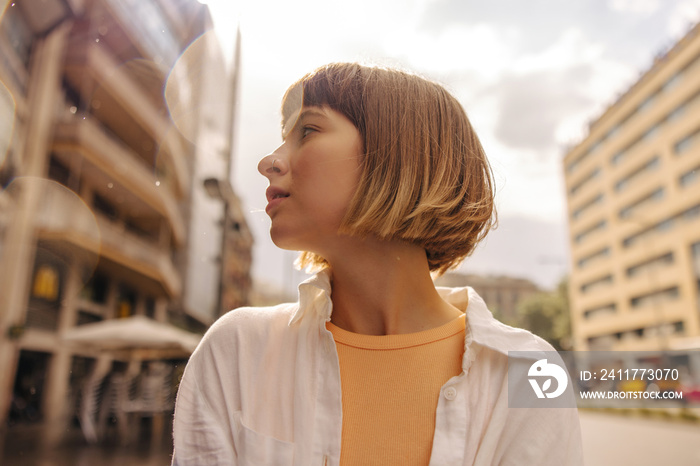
[{"x": 546, "y": 314}]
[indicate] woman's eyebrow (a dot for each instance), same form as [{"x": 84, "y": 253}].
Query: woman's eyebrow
[{"x": 309, "y": 112}]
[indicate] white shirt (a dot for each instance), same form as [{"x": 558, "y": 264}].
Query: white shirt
[{"x": 263, "y": 388}]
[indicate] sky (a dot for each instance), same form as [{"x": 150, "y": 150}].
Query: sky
[{"x": 530, "y": 75}]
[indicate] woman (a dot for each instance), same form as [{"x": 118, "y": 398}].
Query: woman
[{"x": 381, "y": 180}]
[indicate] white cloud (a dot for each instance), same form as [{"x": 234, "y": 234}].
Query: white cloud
[
  {"x": 483, "y": 49},
  {"x": 572, "y": 49},
  {"x": 564, "y": 84},
  {"x": 683, "y": 15},
  {"x": 642, "y": 7}
]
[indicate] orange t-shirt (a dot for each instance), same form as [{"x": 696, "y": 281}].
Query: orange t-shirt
[{"x": 390, "y": 389}]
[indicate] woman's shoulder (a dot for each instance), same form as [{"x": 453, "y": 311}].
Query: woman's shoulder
[
  {"x": 251, "y": 322},
  {"x": 257, "y": 314},
  {"x": 252, "y": 317}
]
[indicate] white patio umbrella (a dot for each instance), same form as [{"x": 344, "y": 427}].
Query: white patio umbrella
[{"x": 133, "y": 333}]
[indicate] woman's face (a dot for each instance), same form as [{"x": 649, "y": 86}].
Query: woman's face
[{"x": 313, "y": 176}]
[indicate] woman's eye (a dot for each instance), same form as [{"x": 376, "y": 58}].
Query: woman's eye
[{"x": 306, "y": 130}]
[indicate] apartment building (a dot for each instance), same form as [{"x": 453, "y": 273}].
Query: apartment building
[
  {"x": 633, "y": 193},
  {"x": 106, "y": 137}
]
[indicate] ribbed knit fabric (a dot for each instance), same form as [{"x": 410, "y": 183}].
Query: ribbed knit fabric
[{"x": 390, "y": 389}]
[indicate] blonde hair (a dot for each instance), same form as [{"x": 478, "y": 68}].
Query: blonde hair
[{"x": 425, "y": 178}]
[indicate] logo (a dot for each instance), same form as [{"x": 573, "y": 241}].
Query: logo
[{"x": 544, "y": 369}]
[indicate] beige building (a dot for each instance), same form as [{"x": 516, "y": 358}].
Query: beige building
[
  {"x": 107, "y": 133},
  {"x": 502, "y": 294},
  {"x": 633, "y": 192}
]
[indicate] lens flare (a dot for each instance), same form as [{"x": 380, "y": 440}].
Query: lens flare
[
  {"x": 197, "y": 87},
  {"x": 66, "y": 228}
]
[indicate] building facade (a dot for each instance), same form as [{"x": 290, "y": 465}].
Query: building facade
[
  {"x": 104, "y": 130},
  {"x": 502, "y": 294},
  {"x": 633, "y": 194}
]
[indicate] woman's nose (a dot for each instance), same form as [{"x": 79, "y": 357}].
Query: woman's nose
[{"x": 272, "y": 164}]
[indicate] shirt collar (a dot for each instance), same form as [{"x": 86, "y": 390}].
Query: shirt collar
[
  {"x": 315, "y": 298},
  {"x": 482, "y": 327}
]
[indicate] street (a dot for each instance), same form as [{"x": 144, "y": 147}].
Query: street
[{"x": 611, "y": 439}]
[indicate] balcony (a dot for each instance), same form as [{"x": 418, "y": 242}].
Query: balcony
[
  {"x": 127, "y": 99},
  {"x": 110, "y": 163},
  {"x": 139, "y": 255},
  {"x": 63, "y": 217}
]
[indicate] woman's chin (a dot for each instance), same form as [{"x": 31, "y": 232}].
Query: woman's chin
[{"x": 283, "y": 239}]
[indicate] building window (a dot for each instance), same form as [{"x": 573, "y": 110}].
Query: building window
[
  {"x": 600, "y": 311},
  {"x": 600, "y": 254},
  {"x": 647, "y": 103},
  {"x": 687, "y": 215},
  {"x": 126, "y": 302},
  {"x": 45, "y": 291},
  {"x": 685, "y": 143},
  {"x": 650, "y": 265},
  {"x": 601, "y": 342},
  {"x": 695, "y": 251},
  {"x": 596, "y": 284},
  {"x": 651, "y": 132},
  {"x": 46, "y": 283},
  {"x": 678, "y": 327},
  {"x": 677, "y": 112},
  {"x": 691, "y": 63},
  {"x": 689, "y": 177},
  {"x": 655, "y": 297},
  {"x": 150, "y": 307},
  {"x": 591, "y": 149},
  {"x": 105, "y": 207},
  {"x": 58, "y": 171},
  {"x": 618, "y": 157},
  {"x": 591, "y": 176},
  {"x": 651, "y": 165},
  {"x": 636, "y": 238},
  {"x": 590, "y": 231},
  {"x": 571, "y": 168},
  {"x": 692, "y": 213},
  {"x": 629, "y": 210},
  {"x": 672, "y": 81},
  {"x": 597, "y": 199},
  {"x": 695, "y": 248},
  {"x": 96, "y": 288},
  {"x": 622, "y": 154},
  {"x": 614, "y": 131},
  {"x": 147, "y": 232}
]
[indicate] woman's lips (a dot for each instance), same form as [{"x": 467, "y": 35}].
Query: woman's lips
[{"x": 274, "y": 196}]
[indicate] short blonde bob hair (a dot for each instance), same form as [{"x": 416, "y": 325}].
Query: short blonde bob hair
[{"x": 425, "y": 178}]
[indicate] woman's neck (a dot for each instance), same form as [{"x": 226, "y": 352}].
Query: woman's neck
[{"x": 385, "y": 288}]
